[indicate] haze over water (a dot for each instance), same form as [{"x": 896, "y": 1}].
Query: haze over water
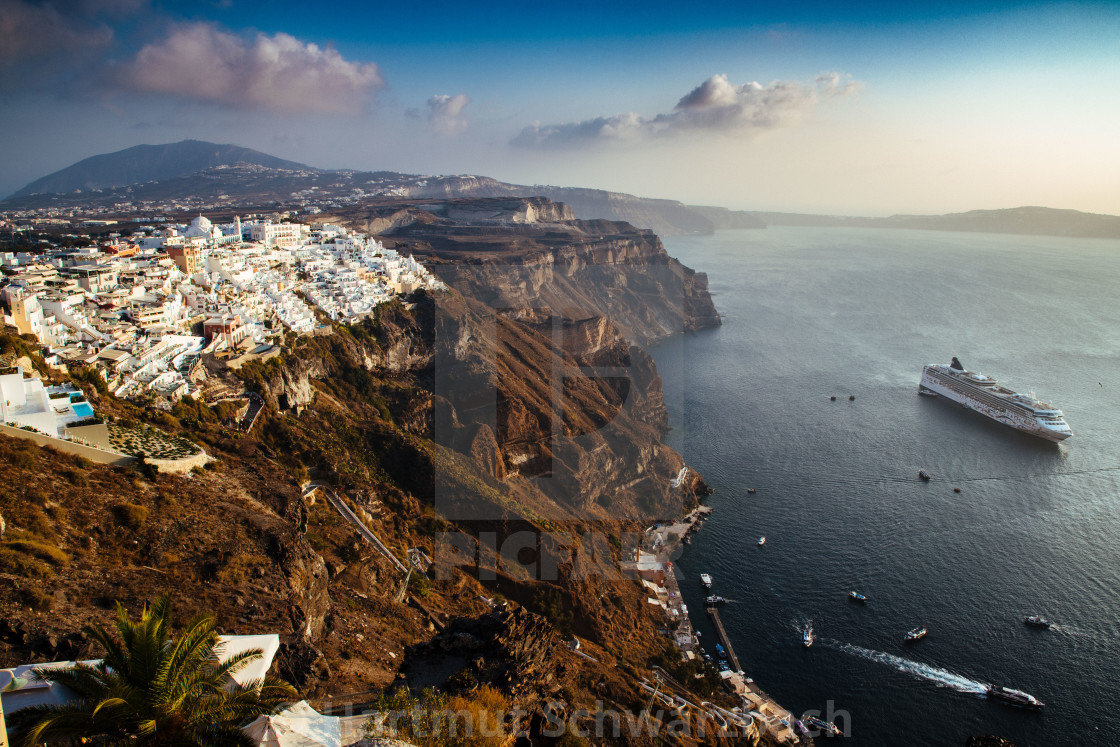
[{"x": 809, "y": 313}]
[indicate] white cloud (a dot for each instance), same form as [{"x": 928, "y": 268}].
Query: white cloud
[
  {"x": 716, "y": 105},
  {"x": 445, "y": 113},
  {"x": 276, "y": 72}
]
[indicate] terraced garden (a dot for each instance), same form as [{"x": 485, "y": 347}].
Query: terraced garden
[{"x": 152, "y": 442}]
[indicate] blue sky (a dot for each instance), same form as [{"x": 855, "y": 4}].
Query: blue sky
[{"x": 868, "y": 108}]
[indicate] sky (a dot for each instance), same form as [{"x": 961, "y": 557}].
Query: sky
[{"x": 857, "y": 108}]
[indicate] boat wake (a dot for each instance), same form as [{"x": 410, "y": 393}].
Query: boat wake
[{"x": 941, "y": 677}]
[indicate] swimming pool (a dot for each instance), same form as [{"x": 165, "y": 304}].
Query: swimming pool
[{"x": 82, "y": 409}]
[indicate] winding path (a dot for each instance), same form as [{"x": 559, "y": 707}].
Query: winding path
[{"x": 342, "y": 508}]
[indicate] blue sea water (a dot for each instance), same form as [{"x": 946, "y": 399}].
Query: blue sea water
[{"x": 814, "y": 312}]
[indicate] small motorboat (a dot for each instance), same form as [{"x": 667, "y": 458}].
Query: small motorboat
[
  {"x": 720, "y": 652},
  {"x": 723, "y": 666},
  {"x": 713, "y": 600},
  {"x": 916, "y": 634},
  {"x": 807, "y": 636},
  {"x": 855, "y": 596},
  {"x": 851, "y": 398},
  {"x": 706, "y": 580},
  {"x": 827, "y": 728},
  {"x": 832, "y": 398},
  {"x": 750, "y": 491},
  {"x": 1037, "y": 622},
  {"x": 923, "y": 475},
  {"x": 761, "y": 541}
]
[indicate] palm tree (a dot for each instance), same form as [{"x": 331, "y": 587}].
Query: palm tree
[{"x": 150, "y": 690}]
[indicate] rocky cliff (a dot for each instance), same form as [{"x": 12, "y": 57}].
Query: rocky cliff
[
  {"x": 664, "y": 217},
  {"x": 529, "y": 253}
]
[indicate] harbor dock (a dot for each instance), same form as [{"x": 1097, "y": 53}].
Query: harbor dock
[
  {"x": 654, "y": 567},
  {"x": 732, "y": 659}
]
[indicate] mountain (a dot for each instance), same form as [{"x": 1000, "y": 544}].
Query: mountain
[
  {"x": 146, "y": 163},
  {"x": 194, "y": 176},
  {"x": 209, "y": 176}
]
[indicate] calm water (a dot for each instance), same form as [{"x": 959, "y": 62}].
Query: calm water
[{"x": 810, "y": 313}]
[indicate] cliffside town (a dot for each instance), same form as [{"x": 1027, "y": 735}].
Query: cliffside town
[
  {"x": 144, "y": 306},
  {"x": 391, "y": 439}
]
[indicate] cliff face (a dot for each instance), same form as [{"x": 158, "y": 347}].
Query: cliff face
[
  {"x": 529, "y": 253},
  {"x": 664, "y": 217},
  {"x": 623, "y": 276},
  {"x": 567, "y": 412}
]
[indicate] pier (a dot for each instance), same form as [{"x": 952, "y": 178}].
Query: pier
[{"x": 731, "y": 657}]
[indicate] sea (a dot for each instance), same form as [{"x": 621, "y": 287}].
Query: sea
[{"x": 814, "y": 313}]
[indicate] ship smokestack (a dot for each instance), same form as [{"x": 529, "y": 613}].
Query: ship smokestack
[{"x": 956, "y": 364}]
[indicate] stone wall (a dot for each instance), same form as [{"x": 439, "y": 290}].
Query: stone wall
[
  {"x": 94, "y": 435},
  {"x": 94, "y": 455},
  {"x": 186, "y": 464}
]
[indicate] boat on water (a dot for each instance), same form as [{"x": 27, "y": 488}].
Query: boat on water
[
  {"x": 761, "y": 541},
  {"x": 1037, "y": 622},
  {"x": 855, "y": 596},
  {"x": 916, "y": 634},
  {"x": 706, "y": 580},
  {"x": 827, "y": 728},
  {"x": 807, "y": 636},
  {"x": 986, "y": 396},
  {"x": 712, "y": 600},
  {"x": 924, "y": 475},
  {"x": 720, "y": 652},
  {"x": 1014, "y": 697}
]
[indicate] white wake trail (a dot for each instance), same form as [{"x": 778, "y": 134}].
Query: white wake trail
[{"x": 942, "y": 677}]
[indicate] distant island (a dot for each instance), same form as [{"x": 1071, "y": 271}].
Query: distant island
[
  {"x": 1038, "y": 221},
  {"x": 194, "y": 175}
]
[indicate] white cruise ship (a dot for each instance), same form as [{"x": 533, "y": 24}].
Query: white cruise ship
[{"x": 984, "y": 395}]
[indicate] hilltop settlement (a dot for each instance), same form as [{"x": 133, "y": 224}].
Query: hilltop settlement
[{"x": 142, "y": 308}]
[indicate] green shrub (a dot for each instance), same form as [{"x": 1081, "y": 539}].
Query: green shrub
[
  {"x": 23, "y": 459},
  {"x": 37, "y": 599},
  {"x": 75, "y": 477},
  {"x": 40, "y": 550},
  {"x": 19, "y": 564},
  {"x": 130, "y": 515}
]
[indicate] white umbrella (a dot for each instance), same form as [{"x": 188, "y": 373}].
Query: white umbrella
[{"x": 297, "y": 726}]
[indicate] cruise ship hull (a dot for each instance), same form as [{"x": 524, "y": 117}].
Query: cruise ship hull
[{"x": 958, "y": 387}]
